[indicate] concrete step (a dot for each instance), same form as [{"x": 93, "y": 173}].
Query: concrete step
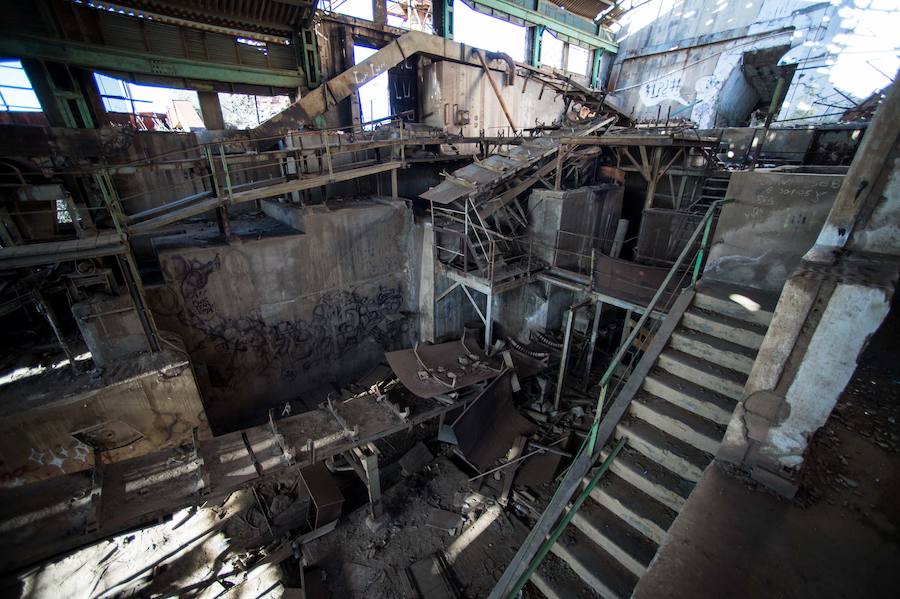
[
  {"x": 703, "y": 434},
  {"x": 706, "y": 374},
  {"x": 630, "y": 548},
  {"x": 675, "y": 455},
  {"x": 712, "y": 349},
  {"x": 690, "y": 396},
  {"x": 744, "y": 333},
  {"x": 744, "y": 303},
  {"x": 651, "y": 478},
  {"x": 637, "y": 509},
  {"x": 555, "y": 580},
  {"x": 594, "y": 566}
]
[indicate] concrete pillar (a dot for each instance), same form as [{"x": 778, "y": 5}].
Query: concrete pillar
[
  {"x": 426, "y": 285},
  {"x": 365, "y": 461},
  {"x": 829, "y": 307},
  {"x": 379, "y": 12},
  {"x": 355, "y": 109},
  {"x": 211, "y": 110}
]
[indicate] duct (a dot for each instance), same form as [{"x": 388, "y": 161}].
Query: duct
[{"x": 510, "y": 65}]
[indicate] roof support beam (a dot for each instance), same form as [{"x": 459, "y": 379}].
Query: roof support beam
[
  {"x": 137, "y": 62},
  {"x": 532, "y": 18}
]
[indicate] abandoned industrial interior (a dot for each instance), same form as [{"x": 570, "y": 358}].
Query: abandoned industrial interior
[{"x": 449, "y": 298}]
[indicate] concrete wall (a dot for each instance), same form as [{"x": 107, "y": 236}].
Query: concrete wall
[
  {"x": 685, "y": 57},
  {"x": 110, "y": 328},
  {"x": 53, "y": 423},
  {"x": 269, "y": 320},
  {"x": 830, "y": 306},
  {"x": 446, "y": 87},
  {"x": 774, "y": 219}
]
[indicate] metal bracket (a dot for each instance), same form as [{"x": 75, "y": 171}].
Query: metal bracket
[
  {"x": 195, "y": 454},
  {"x": 403, "y": 415},
  {"x": 287, "y": 453},
  {"x": 353, "y": 433}
]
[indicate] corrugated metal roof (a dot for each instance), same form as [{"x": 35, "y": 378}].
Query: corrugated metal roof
[
  {"x": 273, "y": 17},
  {"x": 584, "y": 8}
]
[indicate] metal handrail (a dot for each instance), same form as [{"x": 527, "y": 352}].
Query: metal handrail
[
  {"x": 589, "y": 444},
  {"x": 704, "y": 225}
]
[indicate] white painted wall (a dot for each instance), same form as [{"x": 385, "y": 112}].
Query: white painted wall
[
  {"x": 678, "y": 55},
  {"x": 853, "y": 314}
]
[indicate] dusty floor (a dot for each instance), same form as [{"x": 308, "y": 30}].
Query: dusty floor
[
  {"x": 359, "y": 563},
  {"x": 840, "y": 537}
]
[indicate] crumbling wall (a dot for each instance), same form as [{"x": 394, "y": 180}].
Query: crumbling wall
[
  {"x": 269, "y": 320},
  {"x": 684, "y": 59}
]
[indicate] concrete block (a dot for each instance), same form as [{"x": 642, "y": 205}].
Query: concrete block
[{"x": 110, "y": 327}]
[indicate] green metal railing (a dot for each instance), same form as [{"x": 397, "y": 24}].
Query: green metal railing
[
  {"x": 693, "y": 266},
  {"x": 705, "y": 225}
]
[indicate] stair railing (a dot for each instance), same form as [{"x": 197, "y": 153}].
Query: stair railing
[
  {"x": 541, "y": 538},
  {"x": 704, "y": 227}
]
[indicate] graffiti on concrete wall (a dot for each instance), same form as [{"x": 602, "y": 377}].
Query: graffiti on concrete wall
[
  {"x": 664, "y": 89},
  {"x": 66, "y": 459},
  {"x": 235, "y": 341}
]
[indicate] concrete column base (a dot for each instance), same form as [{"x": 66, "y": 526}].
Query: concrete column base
[{"x": 376, "y": 524}]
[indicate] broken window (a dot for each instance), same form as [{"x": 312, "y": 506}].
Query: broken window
[
  {"x": 157, "y": 107},
  {"x": 551, "y": 50},
  {"x": 414, "y": 15},
  {"x": 482, "y": 31},
  {"x": 578, "y": 59},
  {"x": 16, "y": 92},
  {"x": 374, "y": 100},
  {"x": 245, "y": 111}
]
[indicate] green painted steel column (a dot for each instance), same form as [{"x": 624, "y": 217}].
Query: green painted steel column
[
  {"x": 595, "y": 70},
  {"x": 536, "y": 34},
  {"x": 447, "y": 11}
]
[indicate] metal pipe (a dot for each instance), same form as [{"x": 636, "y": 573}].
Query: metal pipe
[
  {"x": 496, "y": 89},
  {"x": 509, "y": 463},
  {"x": 564, "y": 359}
]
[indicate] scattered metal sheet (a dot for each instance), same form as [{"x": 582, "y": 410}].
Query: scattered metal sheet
[
  {"x": 430, "y": 370},
  {"x": 541, "y": 468},
  {"x": 446, "y": 435},
  {"x": 443, "y": 520},
  {"x": 491, "y": 424},
  {"x": 446, "y": 192},
  {"x": 415, "y": 459},
  {"x": 430, "y": 577}
]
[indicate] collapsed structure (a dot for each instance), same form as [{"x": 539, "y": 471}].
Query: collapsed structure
[{"x": 510, "y": 335}]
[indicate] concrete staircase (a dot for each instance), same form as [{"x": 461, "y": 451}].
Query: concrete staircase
[{"x": 673, "y": 428}]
